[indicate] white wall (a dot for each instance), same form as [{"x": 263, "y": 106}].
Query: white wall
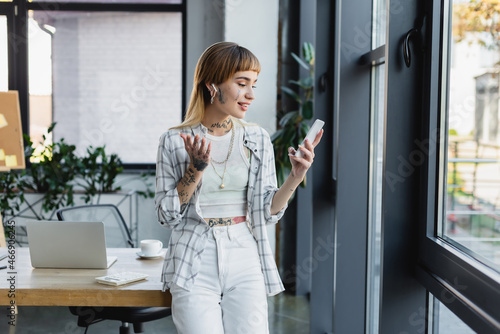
[
  {"x": 205, "y": 20},
  {"x": 254, "y": 25}
]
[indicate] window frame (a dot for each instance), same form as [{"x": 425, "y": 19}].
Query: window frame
[
  {"x": 469, "y": 288},
  {"x": 17, "y": 13}
]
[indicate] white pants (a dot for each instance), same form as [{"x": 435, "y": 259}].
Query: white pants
[{"x": 228, "y": 295}]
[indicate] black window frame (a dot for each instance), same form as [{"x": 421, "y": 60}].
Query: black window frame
[
  {"x": 17, "y": 14},
  {"x": 469, "y": 288}
]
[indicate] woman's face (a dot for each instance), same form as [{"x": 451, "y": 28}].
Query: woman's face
[{"x": 236, "y": 94}]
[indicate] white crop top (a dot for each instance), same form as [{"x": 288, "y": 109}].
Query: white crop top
[{"x": 232, "y": 200}]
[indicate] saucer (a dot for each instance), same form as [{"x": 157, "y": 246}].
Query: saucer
[{"x": 144, "y": 256}]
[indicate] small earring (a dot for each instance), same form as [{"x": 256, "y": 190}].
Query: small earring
[{"x": 212, "y": 100}]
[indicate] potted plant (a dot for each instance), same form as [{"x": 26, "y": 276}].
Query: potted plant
[
  {"x": 293, "y": 125},
  {"x": 51, "y": 172},
  {"x": 53, "y": 177}
]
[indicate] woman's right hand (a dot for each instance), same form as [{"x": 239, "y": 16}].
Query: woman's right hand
[{"x": 199, "y": 155}]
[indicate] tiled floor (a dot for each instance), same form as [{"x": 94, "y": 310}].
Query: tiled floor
[{"x": 287, "y": 314}]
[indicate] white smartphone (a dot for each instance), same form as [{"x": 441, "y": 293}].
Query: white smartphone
[{"x": 311, "y": 135}]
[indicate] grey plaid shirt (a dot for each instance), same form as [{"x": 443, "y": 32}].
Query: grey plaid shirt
[{"x": 189, "y": 230}]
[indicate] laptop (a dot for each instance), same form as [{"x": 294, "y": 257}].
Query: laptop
[{"x": 64, "y": 244}]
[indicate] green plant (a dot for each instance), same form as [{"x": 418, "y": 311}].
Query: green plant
[
  {"x": 98, "y": 172},
  {"x": 149, "y": 191},
  {"x": 54, "y": 166},
  {"x": 10, "y": 198},
  {"x": 54, "y": 171},
  {"x": 293, "y": 125}
]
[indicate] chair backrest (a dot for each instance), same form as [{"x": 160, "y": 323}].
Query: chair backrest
[{"x": 116, "y": 230}]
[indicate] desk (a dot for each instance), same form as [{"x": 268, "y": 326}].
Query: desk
[{"x": 77, "y": 287}]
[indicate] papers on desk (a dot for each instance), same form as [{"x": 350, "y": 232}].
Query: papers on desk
[{"x": 121, "y": 278}]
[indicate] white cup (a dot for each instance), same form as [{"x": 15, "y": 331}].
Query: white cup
[{"x": 151, "y": 247}]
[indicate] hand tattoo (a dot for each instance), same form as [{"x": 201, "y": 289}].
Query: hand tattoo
[{"x": 199, "y": 164}]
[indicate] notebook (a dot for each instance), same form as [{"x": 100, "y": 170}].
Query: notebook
[{"x": 63, "y": 244}]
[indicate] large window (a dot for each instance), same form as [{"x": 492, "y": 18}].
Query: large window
[
  {"x": 109, "y": 73},
  {"x": 377, "y": 106},
  {"x": 460, "y": 249},
  {"x": 106, "y": 78},
  {"x": 4, "y": 69},
  {"x": 472, "y": 198}
]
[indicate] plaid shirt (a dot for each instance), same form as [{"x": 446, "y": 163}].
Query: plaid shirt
[{"x": 189, "y": 230}]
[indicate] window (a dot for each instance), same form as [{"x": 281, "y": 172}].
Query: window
[
  {"x": 376, "y": 169},
  {"x": 459, "y": 243},
  {"x": 124, "y": 1},
  {"x": 113, "y": 78},
  {"x": 40, "y": 78},
  {"x": 471, "y": 201},
  {"x": 4, "y": 69},
  {"x": 449, "y": 323},
  {"x": 109, "y": 73}
]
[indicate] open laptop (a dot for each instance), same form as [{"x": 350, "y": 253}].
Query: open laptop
[{"x": 64, "y": 244}]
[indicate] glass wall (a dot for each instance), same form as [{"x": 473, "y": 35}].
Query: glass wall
[
  {"x": 469, "y": 202},
  {"x": 376, "y": 170},
  {"x": 106, "y": 78},
  {"x": 4, "y": 68},
  {"x": 472, "y": 198},
  {"x": 449, "y": 323},
  {"x": 120, "y": 1}
]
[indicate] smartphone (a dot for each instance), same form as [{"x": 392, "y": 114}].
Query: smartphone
[{"x": 311, "y": 135}]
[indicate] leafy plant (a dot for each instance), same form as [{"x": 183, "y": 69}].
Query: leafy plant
[
  {"x": 56, "y": 167},
  {"x": 149, "y": 191},
  {"x": 10, "y": 196},
  {"x": 54, "y": 171},
  {"x": 293, "y": 125},
  {"x": 98, "y": 172},
  {"x": 479, "y": 18}
]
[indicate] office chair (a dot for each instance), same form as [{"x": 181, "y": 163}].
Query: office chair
[{"x": 117, "y": 235}]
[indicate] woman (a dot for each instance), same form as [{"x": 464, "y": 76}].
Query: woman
[{"x": 216, "y": 189}]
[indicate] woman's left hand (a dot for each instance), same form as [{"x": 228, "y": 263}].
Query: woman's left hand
[{"x": 300, "y": 166}]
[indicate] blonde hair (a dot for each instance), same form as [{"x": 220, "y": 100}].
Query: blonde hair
[{"x": 218, "y": 63}]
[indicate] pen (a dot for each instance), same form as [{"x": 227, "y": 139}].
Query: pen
[{"x": 3, "y": 267}]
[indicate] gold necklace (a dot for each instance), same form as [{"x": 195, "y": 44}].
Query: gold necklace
[{"x": 225, "y": 161}]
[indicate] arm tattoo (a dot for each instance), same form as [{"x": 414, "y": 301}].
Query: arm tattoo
[
  {"x": 183, "y": 196},
  {"x": 188, "y": 178},
  {"x": 183, "y": 207}
]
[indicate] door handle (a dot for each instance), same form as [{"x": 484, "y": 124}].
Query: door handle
[{"x": 406, "y": 46}]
